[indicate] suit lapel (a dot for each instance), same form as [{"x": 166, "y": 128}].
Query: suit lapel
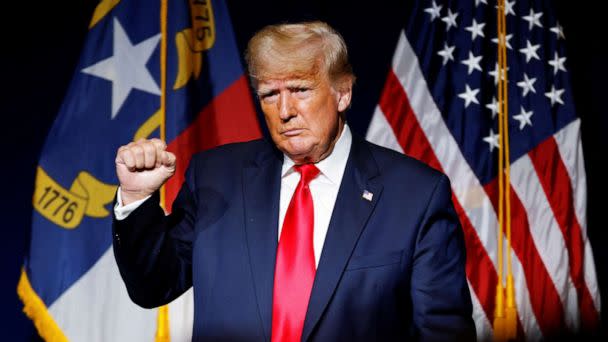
[
  {"x": 261, "y": 190},
  {"x": 349, "y": 216}
]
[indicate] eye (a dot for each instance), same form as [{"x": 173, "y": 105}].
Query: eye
[
  {"x": 301, "y": 92},
  {"x": 269, "y": 97}
]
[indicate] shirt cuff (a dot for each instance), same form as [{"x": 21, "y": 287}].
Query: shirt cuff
[{"x": 122, "y": 211}]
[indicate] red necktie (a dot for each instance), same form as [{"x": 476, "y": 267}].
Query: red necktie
[{"x": 295, "y": 266}]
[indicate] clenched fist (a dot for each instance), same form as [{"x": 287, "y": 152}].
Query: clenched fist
[{"x": 142, "y": 168}]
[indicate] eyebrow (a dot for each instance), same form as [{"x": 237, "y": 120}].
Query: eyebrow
[
  {"x": 299, "y": 83},
  {"x": 265, "y": 91},
  {"x": 290, "y": 84}
]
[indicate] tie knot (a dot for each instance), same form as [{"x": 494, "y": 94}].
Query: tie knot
[{"x": 308, "y": 172}]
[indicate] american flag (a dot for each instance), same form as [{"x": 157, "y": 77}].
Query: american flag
[{"x": 439, "y": 104}]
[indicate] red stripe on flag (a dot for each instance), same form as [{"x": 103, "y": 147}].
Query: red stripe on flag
[
  {"x": 400, "y": 115},
  {"x": 396, "y": 107},
  {"x": 556, "y": 183},
  {"x": 480, "y": 270},
  {"x": 544, "y": 298},
  {"x": 229, "y": 117}
]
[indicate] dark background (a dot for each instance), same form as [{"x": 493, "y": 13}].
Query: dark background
[{"x": 41, "y": 45}]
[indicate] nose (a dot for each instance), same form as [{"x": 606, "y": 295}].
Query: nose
[{"x": 286, "y": 106}]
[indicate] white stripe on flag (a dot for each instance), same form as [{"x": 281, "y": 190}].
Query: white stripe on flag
[
  {"x": 547, "y": 236},
  {"x": 481, "y": 320},
  {"x": 522, "y": 300},
  {"x": 381, "y": 133},
  {"x": 181, "y": 317},
  {"x": 97, "y": 308},
  {"x": 568, "y": 141}
]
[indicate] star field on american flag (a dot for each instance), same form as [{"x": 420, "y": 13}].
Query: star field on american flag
[{"x": 534, "y": 56}]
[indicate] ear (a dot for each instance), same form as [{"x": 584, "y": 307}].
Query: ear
[{"x": 344, "y": 96}]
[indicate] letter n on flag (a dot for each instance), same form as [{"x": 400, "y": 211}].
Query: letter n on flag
[
  {"x": 439, "y": 104},
  {"x": 168, "y": 69}
]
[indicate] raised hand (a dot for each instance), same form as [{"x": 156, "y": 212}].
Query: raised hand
[{"x": 143, "y": 167}]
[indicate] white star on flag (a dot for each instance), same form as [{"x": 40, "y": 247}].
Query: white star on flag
[
  {"x": 508, "y": 7},
  {"x": 509, "y": 36},
  {"x": 493, "y": 106},
  {"x": 555, "y": 95},
  {"x": 434, "y": 11},
  {"x": 476, "y": 29},
  {"x": 469, "y": 95},
  {"x": 527, "y": 85},
  {"x": 126, "y": 69},
  {"x": 524, "y": 118},
  {"x": 447, "y": 53},
  {"x": 450, "y": 20},
  {"x": 472, "y": 62},
  {"x": 530, "y": 51},
  {"x": 533, "y": 19},
  {"x": 557, "y": 63},
  {"x": 492, "y": 140},
  {"x": 558, "y": 30},
  {"x": 477, "y": 2},
  {"x": 496, "y": 73}
]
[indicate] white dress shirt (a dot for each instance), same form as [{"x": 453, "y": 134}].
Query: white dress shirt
[{"x": 324, "y": 190}]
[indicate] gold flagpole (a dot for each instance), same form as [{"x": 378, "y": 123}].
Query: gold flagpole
[
  {"x": 505, "y": 316},
  {"x": 162, "y": 325}
]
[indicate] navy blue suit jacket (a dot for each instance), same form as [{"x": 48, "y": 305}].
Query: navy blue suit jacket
[{"x": 392, "y": 267}]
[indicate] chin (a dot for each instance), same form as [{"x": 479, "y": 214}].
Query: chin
[{"x": 297, "y": 148}]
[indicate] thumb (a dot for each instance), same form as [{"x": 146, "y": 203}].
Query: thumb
[{"x": 168, "y": 160}]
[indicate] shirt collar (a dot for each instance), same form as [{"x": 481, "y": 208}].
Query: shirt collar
[{"x": 333, "y": 165}]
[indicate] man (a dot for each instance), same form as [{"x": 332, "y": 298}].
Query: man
[{"x": 370, "y": 247}]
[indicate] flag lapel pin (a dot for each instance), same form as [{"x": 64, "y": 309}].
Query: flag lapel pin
[{"x": 367, "y": 195}]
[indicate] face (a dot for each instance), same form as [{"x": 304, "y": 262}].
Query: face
[{"x": 302, "y": 114}]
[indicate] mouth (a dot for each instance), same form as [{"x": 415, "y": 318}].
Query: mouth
[{"x": 292, "y": 132}]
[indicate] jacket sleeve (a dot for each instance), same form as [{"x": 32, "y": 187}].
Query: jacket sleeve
[
  {"x": 154, "y": 251},
  {"x": 442, "y": 309}
]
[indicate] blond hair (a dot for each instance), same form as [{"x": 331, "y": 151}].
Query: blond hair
[{"x": 296, "y": 50}]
